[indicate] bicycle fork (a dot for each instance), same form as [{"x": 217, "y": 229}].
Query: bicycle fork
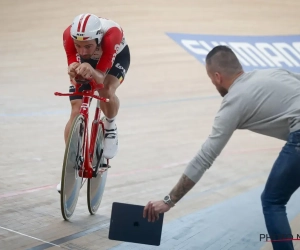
[{"x": 86, "y": 170}]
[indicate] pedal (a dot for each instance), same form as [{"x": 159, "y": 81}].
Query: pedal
[{"x": 105, "y": 166}]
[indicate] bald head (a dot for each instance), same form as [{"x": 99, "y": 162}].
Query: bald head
[{"x": 222, "y": 59}]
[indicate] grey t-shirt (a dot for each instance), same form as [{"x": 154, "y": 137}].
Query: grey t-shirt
[{"x": 263, "y": 101}]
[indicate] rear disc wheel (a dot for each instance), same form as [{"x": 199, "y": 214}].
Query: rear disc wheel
[{"x": 96, "y": 185}]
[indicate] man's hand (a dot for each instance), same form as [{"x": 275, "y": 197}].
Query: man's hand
[
  {"x": 154, "y": 208},
  {"x": 85, "y": 70},
  {"x": 71, "y": 70}
]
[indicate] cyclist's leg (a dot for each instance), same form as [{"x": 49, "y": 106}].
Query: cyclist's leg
[
  {"x": 75, "y": 102},
  {"x": 112, "y": 81}
]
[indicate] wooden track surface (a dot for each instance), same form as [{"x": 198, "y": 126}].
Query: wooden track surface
[{"x": 167, "y": 109}]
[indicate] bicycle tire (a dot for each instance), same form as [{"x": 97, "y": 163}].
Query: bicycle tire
[
  {"x": 73, "y": 160},
  {"x": 96, "y": 184}
]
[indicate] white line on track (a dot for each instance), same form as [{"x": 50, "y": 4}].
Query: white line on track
[{"x": 29, "y": 236}]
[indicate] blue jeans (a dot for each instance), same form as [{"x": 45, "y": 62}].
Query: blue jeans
[{"x": 283, "y": 181}]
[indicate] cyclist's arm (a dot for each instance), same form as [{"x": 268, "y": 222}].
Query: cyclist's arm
[
  {"x": 98, "y": 76},
  {"x": 70, "y": 50},
  {"x": 110, "y": 44},
  {"x": 69, "y": 47}
]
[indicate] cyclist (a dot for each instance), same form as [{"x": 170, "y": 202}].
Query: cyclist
[{"x": 96, "y": 49}]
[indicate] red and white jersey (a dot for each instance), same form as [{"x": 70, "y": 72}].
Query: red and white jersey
[{"x": 112, "y": 43}]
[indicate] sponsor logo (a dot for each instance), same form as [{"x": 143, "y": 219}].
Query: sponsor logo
[
  {"x": 120, "y": 67},
  {"x": 78, "y": 58},
  {"x": 254, "y": 52}
]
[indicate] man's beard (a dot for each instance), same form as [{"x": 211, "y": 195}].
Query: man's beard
[{"x": 222, "y": 91}]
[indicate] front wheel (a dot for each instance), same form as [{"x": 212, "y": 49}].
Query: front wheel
[{"x": 73, "y": 160}]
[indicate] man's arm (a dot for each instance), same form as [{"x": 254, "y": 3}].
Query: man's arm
[
  {"x": 71, "y": 54},
  {"x": 98, "y": 76},
  {"x": 69, "y": 47},
  {"x": 184, "y": 185},
  {"x": 225, "y": 123},
  {"x": 110, "y": 45}
]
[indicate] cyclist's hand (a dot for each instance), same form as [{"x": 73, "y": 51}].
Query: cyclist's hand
[
  {"x": 71, "y": 70},
  {"x": 85, "y": 70}
]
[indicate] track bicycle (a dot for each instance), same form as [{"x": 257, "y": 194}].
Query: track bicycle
[{"x": 83, "y": 157}]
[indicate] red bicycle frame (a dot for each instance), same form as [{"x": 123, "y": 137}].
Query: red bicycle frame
[{"x": 86, "y": 170}]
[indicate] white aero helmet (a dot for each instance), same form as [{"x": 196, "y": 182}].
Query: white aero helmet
[{"x": 86, "y": 27}]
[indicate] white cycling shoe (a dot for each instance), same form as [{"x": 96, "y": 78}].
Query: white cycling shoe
[
  {"x": 110, "y": 147},
  {"x": 110, "y": 143}
]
